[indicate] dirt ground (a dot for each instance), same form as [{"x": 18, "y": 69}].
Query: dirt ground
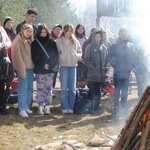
[{"x": 24, "y": 134}]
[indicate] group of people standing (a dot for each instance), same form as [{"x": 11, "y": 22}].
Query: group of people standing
[{"x": 36, "y": 50}]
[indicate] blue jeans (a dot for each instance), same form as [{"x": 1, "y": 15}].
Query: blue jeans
[
  {"x": 68, "y": 87},
  {"x": 121, "y": 89},
  {"x": 94, "y": 93},
  {"x": 25, "y": 90}
]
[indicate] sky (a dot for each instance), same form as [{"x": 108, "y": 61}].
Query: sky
[
  {"x": 140, "y": 6},
  {"x": 80, "y": 5}
]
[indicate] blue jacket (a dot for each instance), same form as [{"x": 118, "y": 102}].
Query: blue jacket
[{"x": 121, "y": 57}]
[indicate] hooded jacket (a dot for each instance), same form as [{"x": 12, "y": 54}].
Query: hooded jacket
[
  {"x": 39, "y": 57},
  {"x": 95, "y": 59},
  {"x": 121, "y": 57}
]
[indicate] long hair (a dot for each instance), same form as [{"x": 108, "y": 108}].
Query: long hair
[
  {"x": 65, "y": 29},
  {"x": 80, "y": 35},
  {"x": 40, "y": 28},
  {"x": 25, "y": 27}
]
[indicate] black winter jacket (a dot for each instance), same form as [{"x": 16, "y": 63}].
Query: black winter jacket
[
  {"x": 40, "y": 59},
  {"x": 121, "y": 57},
  {"x": 18, "y": 28}
]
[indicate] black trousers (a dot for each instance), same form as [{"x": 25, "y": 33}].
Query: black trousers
[{"x": 2, "y": 101}]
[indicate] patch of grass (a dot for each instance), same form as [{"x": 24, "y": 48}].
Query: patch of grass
[{"x": 23, "y": 134}]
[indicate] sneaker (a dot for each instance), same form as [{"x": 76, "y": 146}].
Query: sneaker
[
  {"x": 70, "y": 111},
  {"x": 23, "y": 114},
  {"x": 47, "y": 110},
  {"x": 4, "y": 111},
  {"x": 28, "y": 111},
  {"x": 64, "y": 112},
  {"x": 41, "y": 110}
]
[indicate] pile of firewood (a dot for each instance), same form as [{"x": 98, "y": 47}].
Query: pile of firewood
[{"x": 135, "y": 135}]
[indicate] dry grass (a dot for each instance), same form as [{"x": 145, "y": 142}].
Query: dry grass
[{"x": 23, "y": 134}]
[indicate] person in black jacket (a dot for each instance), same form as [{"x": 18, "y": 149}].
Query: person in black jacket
[
  {"x": 30, "y": 17},
  {"x": 44, "y": 63},
  {"x": 121, "y": 57},
  {"x": 5, "y": 43},
  {"x": 55, "y": 33}
]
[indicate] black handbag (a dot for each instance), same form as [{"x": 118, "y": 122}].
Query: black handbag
[{"x": 6, "y": 67}]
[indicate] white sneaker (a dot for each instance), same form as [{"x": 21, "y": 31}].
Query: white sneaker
[
  {"x": 47, "y": 110},
  {"x": 23, "y": 114},
  {"x": 28, "y": 111},
  {"x": 64, "y": 112},
  {"x": 41, "y": 110},
  {"x": 70, "y": 111}
]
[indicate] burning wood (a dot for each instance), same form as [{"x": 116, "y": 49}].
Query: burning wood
[{"x": 135, "y": 134}]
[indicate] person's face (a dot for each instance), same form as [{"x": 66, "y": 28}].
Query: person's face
[
  {"x": 68, "y": 33},
  {"x": 57, "y": 31},
  {"x": 97, "y": 38},
  {"x": 30, "y": 18},
  {"x": 43, "y": 33},
  {"x": 28, "y": 33},
  {"x": 9, "y": 24},
  {"x": 124, "y": 35},
  {"x": 80, "y": 30}
]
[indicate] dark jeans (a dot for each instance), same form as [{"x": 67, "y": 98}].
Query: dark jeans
[
  {"x": 94, "y": 93},
  {"x": 2, "y": 101},
  {"x": 54, "y": 80},
  {"x": 121, "y": 89}
]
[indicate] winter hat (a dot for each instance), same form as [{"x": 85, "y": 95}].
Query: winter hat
[
  {"x": 6, "y": 19},
  {"x": 56, "y": 25}
]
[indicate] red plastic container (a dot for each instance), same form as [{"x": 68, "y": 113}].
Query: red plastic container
[{"x": 14, "y": 84}]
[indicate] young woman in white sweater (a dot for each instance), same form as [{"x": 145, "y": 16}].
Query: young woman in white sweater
[{"x": 69, "y": 53}]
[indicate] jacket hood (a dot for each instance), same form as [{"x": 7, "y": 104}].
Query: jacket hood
[{"x": 93, "y": 34}]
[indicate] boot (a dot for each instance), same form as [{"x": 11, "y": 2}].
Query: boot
[{"x": 47, "y": 110}]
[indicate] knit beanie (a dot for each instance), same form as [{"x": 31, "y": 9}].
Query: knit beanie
[
  {"x": 6, "y": 19},
  {"x": 56, "y": 25}
]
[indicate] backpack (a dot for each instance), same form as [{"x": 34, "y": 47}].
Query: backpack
[
  {"x": 82, "y": 103},
  {"x": 81, "y": 72},
  {"x": 6, "y": 68},
  {"x": 10, "y": 97}
]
